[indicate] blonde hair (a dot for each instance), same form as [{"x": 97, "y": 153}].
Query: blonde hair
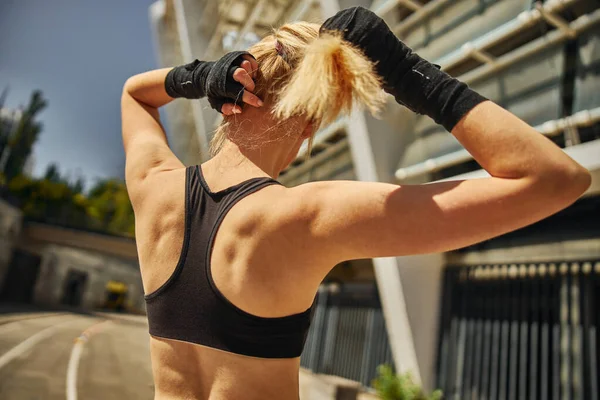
[{"x": 315, "y": 76}]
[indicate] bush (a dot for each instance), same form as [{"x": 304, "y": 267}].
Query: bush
[{"x": 390, "y": 386}]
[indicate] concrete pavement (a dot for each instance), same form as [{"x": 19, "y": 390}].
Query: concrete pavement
[
  {"x": 62, "y": 355},
  {"x": 36, "y": 350}
]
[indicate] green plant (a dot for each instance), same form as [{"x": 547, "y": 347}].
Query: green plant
[
  {"x": 54, "y": 199},
  {"x": 390, "y": 386},
  {"x": 25, "y": 135}
]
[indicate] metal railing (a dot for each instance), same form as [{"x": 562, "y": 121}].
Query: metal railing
[
  {"x": 555, "y": 37},
  {"x": 523, "y": 21},
  {"x": 550, "y": 128},
  {"x": 348, "y": 337},
  {"x": 520, "y": 331}
]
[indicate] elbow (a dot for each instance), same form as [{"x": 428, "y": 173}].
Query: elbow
[
  {"x": 126, "y": 93},
  {"x": 581, "y": 180},
  {"x": 127, "y": 86},
  {"x": 129, "y": 92},
  {"x": 566, "y": 183}
]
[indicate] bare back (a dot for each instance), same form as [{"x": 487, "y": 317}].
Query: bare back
[
  {"x": 250, "y": 266},
  {"x": 274, "y": 247}
]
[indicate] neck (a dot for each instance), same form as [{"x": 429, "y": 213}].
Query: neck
[{"x": 267, "y": 160}]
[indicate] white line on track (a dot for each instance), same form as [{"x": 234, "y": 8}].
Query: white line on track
[
  {"x": 76, "y": 356},
  {"x": 28, "y": 343},
  {"x": 14, "y": 324}
]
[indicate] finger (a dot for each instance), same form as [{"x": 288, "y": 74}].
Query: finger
[
  {"x": 230, "y": 109},
  {"x": 253, "y": 64},
  {"x": 241, "y": 75},
  {"x": 251, "y": 99},
  {"x": 247, "y": 66}
]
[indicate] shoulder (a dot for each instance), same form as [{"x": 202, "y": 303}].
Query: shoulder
[
  {"x": 285, "y": 207},
  {"x": 308, "y": 214},
  {"x": 157, "y": 188},
  {"x": 312, "y": 202}
]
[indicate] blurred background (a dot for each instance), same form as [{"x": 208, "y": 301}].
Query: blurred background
[{"x": 513, "y": 317}]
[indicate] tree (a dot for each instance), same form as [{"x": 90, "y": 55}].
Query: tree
[
  {"x": 25, "y": 136},
  {"x": 50, "y": 201},
  {"x": 6, "y": 122},
  {"x": 3, "y": 96},
  {"x": 52, "y": 173},
  {"x": 78, "y": 185},
  {"x": 110, "y": 206},
  {"x": 55, "y": 199}
]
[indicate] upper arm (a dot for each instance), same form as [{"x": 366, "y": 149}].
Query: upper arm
[
  {"x": 352, "y": 220},
  {"x": 145, "y": 143}
]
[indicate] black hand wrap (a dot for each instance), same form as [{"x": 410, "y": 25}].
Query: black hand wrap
[
  {"x": 206, "y": 78},
  {"x": 414, "y": 82}
]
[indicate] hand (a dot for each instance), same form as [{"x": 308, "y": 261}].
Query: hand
[
  {"x": 244, "y": 75},
  {"x": 413, "y": 81},
  {"x": 227, "y": 82},
  {"x": 369, "y": 33}
]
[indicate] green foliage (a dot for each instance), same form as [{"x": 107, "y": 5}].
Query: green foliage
[
  {"x": 390, "y": 386},
  {"x": 25, "y": 135},
  {"x": 52, "y": 173},
  {"x": 54, "y": 200},
  {"x": 49, "y": 201},
  {"x": 110, "y": 205}
]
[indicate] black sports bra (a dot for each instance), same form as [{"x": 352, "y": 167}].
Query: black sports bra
[{"x": 190, "y": 308}]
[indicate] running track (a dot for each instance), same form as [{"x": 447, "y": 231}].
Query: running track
[{"x": 69, "y": 356}]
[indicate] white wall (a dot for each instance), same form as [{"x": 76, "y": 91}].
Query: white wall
[
  {"x": 10, "y": 227},
  {"x": 56, "y": 263}
]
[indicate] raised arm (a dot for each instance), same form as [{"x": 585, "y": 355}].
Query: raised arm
[
  {"x": 144, "y": 139},
  {"x": 531, "y": 178},
  {"x": 146, "y": 149}
]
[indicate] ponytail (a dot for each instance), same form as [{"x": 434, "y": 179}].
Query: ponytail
[
  {"x": 330, "y": 78},
  {"x": 302, "y": 72}
]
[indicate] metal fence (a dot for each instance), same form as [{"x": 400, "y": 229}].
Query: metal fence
[
  {"x": 348, "y": 337},
  {"x": 520, "y": 331}
]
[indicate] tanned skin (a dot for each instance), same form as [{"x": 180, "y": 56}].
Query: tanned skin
[{"x": 274, "y": 247}]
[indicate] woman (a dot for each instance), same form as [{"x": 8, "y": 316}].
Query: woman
[{"x": 231, "y": 260}]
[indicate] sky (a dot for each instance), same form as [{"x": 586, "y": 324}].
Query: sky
[{"x": 79, "y": 53}]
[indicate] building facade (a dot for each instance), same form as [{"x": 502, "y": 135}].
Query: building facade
[
  {"x": 11, "y": 219},
  {"x": 541, "y": 61},
  {"x": 51, "y": 266}
]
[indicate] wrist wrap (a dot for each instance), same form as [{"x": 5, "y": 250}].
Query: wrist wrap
[
  {"x": 414, "y": 82},
  {"x": 212, "y": 79}
]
